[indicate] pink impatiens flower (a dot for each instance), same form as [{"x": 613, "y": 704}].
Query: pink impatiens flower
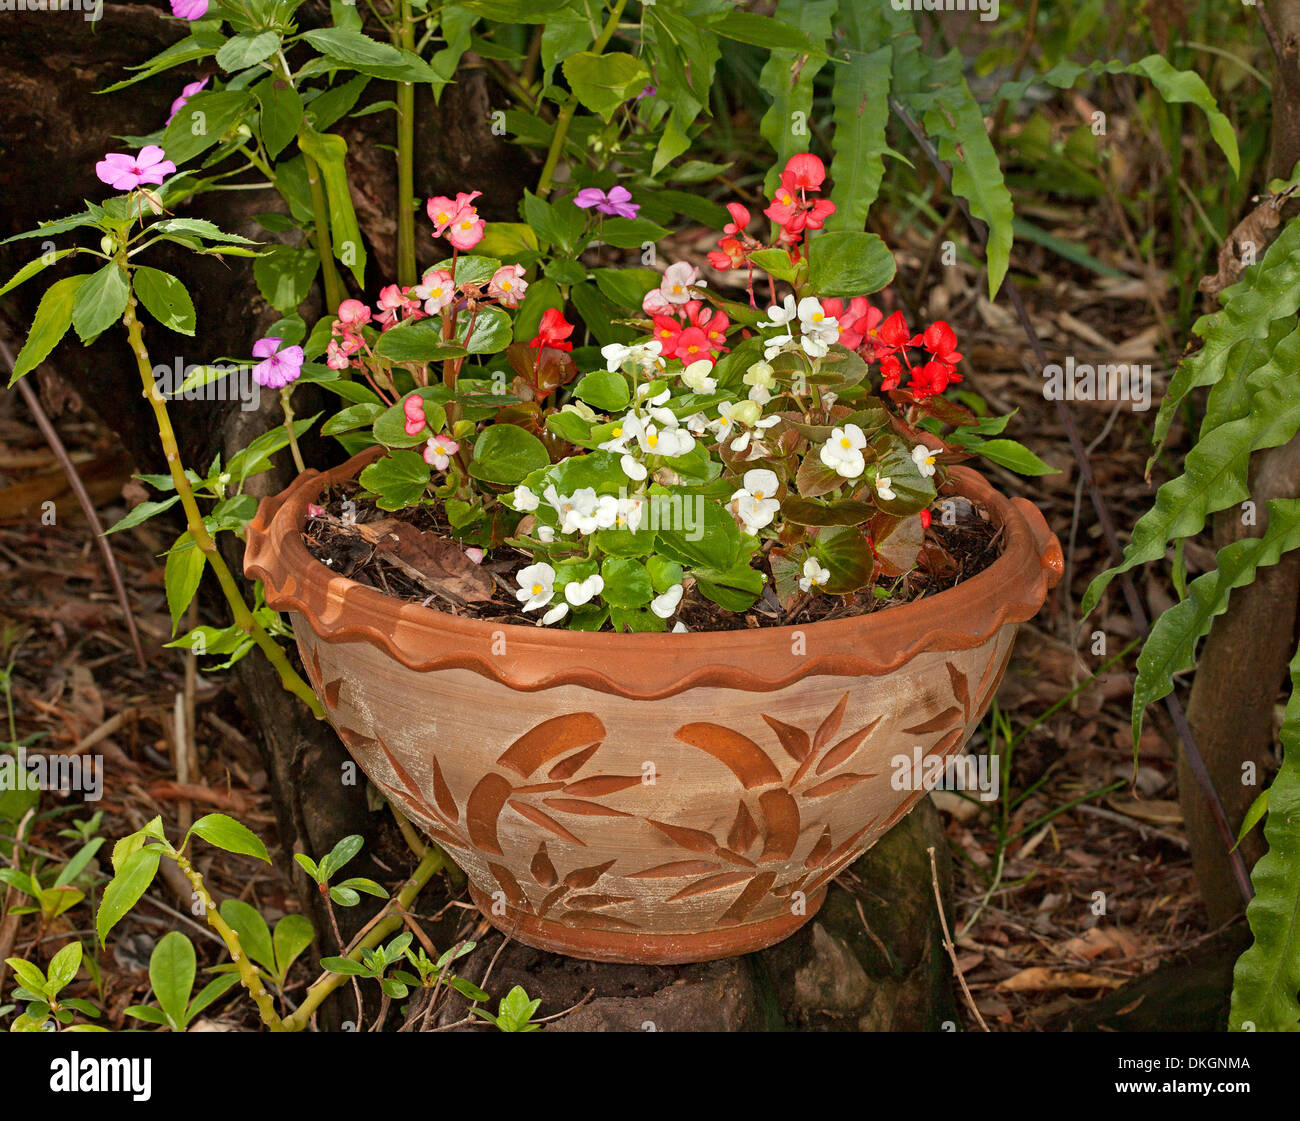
[
  {"x": 279, "y": 367},
  {"x": 439, "y": 450},
  {"x": 189, "y": 9},
  {"x": 187, "y": 92},
  {"x": 508, "y": 285},
  {"x": 125, "y": 173},
  {"x": 616, "y": 201}
]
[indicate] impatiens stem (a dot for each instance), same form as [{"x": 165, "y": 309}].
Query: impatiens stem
[
  {"x": 404, "y": 37},
  {"x": 239, "y": 610},
  {"x": 334, "y": 291},
  {"x": 434, "y": 861},
  {"x": 286, "y": 407},
  {"x": 565, "y": 118},
  {"x": 247, "y": 970}
]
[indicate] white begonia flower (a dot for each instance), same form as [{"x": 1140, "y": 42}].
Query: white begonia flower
[
  {"x": 579, "y": 592},
  {"x": 753, "y": 503},
  {"x": 760, "y": 395},
  {"x": 814, "y": 346},
  {"x": 730, "y": 414},
  {"x": 523, "y": 499},
  {"x": 536, "y": 585},
  {"x": 778, "y": 344},
  {"x": 643, "y": 391},
  {"x": 779, "y": 315},
  {"x": 843, "y": 451},
  {"x": 556, "y": 613},
  {"x": 741, "y": 442},
  {"x": 606, "y": 511},
  {"x": 629, "y": 428},
  {"x": 582, "y": 409},
  {"x": 631, "y": 511},
  {"x": 696, "y": 375},
  {"x": 923, "y": 457},
  {"x": 816, "y": 324},
  {"x": 545, "y": 534},
  {"x": 633, "y": 468},
  {"x": 884, "y": 489},
  {"x": 697, "y": 424},
  {"x": 814, "y": 575},
  {"x": 680, "y": 628},
  {"x": 579, "y": 512},
  {"x": 666, "y": 604},
  {"x": 644, "y": 355},
  {"x": 670, "y": 442}
]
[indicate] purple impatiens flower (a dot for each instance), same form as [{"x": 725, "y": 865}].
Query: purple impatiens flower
[
  {"x": 125, "y": 173},
  {"x": 616, "y": 201},
  {"x": 186, "y": 93},
  {"x": 279, "y": 367},
  {"x": 189, "y": 9}
]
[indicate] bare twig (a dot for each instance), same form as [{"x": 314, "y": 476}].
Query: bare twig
[{"x": 947, "y": 942}]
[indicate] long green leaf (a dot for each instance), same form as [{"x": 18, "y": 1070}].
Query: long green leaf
[
  {"x": 1171, "y": 646},
  {"x": 1267, "y": 977},
  {"x": 1216, "y": 470},
  {"x": 860, "y": 96}
]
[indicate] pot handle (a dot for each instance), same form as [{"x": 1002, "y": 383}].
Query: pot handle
[{"x": 1045, "y": 542}]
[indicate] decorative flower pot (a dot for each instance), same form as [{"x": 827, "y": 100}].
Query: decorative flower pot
[{"x": 650, "y": 797}]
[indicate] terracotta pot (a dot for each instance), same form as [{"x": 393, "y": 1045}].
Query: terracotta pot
[{"x": 650, "y": 797}]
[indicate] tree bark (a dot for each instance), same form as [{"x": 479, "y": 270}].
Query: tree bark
[{"x": 1243, "y": 663}]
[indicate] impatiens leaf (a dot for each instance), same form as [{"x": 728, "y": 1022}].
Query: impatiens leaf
[
  {"x": 505, "y": 453},
  {"x": 226, "y": 833},
  {"x": 602, "y": 82},
  {"x": 247, "y": 49},
  {"x": 133, "y": 878},
  {"x": 281, "y": 113},
  {"x": 100, "y": 302},
  {"x": 165, "y": 298},
  {"x": 284, "y": 275},
  {"x": 181, "y": 575},
  {"x": 51, "y": 323},
  {"x": 172, "y": 966},
  {"x": 202, "y": 122},
  {"x": 29, "y": 270}
]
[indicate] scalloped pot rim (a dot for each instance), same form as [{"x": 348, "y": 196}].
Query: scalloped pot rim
[{"x": 650, "y": 666}]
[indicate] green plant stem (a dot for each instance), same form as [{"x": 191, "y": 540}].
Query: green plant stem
[
  {"x": 565, "y": 118},
  {"x": 243, "y": 617},
  {"x": 432, "y": 863},
  {"x": 335, "y": 293},
  {"x": 404, "y": 38},
  {"x": 286, "y": 406},
  {"x": 247, "y": 970}
]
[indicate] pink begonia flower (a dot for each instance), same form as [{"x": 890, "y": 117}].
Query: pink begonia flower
[
  {"x": 186, "y": 93},
  {"x": 444, "y": 211},
  {"x": 617, "y": 201},
  {"x": 655, "y": 303},
  {"x": 352, "y": 314},
  {"x": 125, "y": 173},
  {"x": 508, "y": 285},
  {"x": 439, "y": 450},
  {"x": 475, "y": 554},
  {"x": 280, "y": 367},
  {"x": 437, "y": 289},
  {"x": 467, "y": 231},
  {"x": 413, "y": 408},
  {"x": 189, "y": 9},
  {"x": 337, "y": 356},
  {"x": 393, "y": 302},
  {"x": 314, "y": 511},
  {"x": 677, "y": 282}
]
